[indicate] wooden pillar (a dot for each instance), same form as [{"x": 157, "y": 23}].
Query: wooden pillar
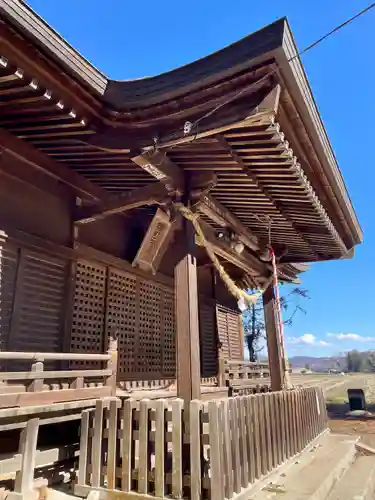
[
  {"x": 187, "y": 318},
  {"x": 275, "y": 360}
]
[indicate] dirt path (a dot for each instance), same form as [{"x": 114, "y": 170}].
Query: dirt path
[{"x": 337, "y": 406}]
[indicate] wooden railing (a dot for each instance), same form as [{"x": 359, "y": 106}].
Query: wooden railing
[
  {"x": 156, "y": 384},
  {"x": 241, "y": 370},
  {"x": 38, "y": 386},
  {"x": 142, "y": 448}
]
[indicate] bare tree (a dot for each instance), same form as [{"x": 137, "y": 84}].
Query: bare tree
[{"x": 253, "y": 320}]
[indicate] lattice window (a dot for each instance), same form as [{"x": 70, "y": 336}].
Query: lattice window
[
  {"x": 208, "y": 344},
  {"x": 169, "y": 335},
  {"x": 89, "y": 308},
  {"x": 149, "y": 341},
  {"x": 122, "y": 319}
]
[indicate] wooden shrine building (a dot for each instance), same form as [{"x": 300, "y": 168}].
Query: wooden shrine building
[{"x": 100, "y": 181}]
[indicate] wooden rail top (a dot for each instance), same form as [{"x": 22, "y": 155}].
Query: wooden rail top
[
  {"x": 52, "y": 356},
  {"x": 246, "y": 364}
]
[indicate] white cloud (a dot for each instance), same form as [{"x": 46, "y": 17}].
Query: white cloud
[
  {"x": 324, "y": 343},
  {"x": 351, "y": 336},
  {"x": 308, "y": 339}
]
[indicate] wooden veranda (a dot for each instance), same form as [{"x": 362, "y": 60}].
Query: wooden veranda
[{"x": 133, "y": 215}]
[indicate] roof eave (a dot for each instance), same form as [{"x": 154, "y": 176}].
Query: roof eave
[{"x": 295, "y": 78}]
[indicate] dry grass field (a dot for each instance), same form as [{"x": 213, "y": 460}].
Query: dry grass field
[{"x": 335, "y": 388}]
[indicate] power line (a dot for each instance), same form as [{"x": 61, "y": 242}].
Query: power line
[
  {"x": 189, "y": 127},
  {"x": 348, "y": 21}
]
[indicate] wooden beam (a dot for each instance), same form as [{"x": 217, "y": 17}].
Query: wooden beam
[
  {"x": 273, "y": 339},
  {"x": 187, "y": 322},
  {"x": 147, "y": 195},
  {"x": 215, "y": 211},
  {"x": 261, "y": 113},
  {"x": 162, "y": 168},
  {"x": 155, "y": 243},
  {"x": 29, "y": 154},
  {"x": 165, "y": 169},
  {"x": 245, "y": 261}
]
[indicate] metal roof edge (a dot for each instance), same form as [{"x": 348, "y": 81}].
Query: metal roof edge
[{"x": 296, "y": 78}]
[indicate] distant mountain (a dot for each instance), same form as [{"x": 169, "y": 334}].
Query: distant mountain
[{"x": 319, "y": 364}]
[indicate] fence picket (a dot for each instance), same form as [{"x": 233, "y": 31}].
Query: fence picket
[
  {"x": 257, "y": 435},
  {"x": 217, "y": 490},
  {"x": 282, "y": 446},
  {"x": 293, "y": 427},
  {"x": 227, "y": 453},
  {"x": 195, "y": 451},
  {"x": 274, "y": 416},
  {"x": 268, "y": 418},
  {"x": 160, "y": 444},
  {"x": 243, "y": 445},
  {"x": 112, "y": 444},
  {"x": 177, "y": 405},
  {"x": 250, "y": 442},
  {"x": 83, "y": 448},
  {"x": 143, "y": 465},
  {"x": 127, "y": 448},
  {"x": 235, "y": 445},
  {"x": 96, "y": 449}
]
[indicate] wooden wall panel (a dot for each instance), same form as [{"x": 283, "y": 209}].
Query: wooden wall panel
[
  {"x": 39, "y": 213},
  {"x": 222, "y": 328},
  {"x": 39, "y": 302},
  {"x": 32, "y": 288},
  {"x": 109, "y": 235},
  {"x": 229, "y": 332},
  {"x": 234, "y": 335},
  {"x": 9, "y": 254},
  {"x": 208, "y": 339}
]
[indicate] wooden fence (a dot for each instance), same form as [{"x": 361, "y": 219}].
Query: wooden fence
[{"x": 216, "y": 451}]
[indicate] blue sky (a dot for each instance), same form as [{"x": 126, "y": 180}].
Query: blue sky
[{"x": 129, "y": 40}]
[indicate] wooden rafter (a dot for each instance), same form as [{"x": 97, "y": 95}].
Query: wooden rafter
[
  {"x": 248, "y": 172},
  {"x": 147, "y": 195},
  {"x": 28, "y": 153}
]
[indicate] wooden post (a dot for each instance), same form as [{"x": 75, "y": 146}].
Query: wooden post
[
  {"x": 221, "y": 378},
  {"x": 273, "y": 340},
  {"x": 112, "y": 365},
  {"x": 187, "y": 323},
  {"x": 24, "y": 482},
  {"x": 37, "y": 384}
]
